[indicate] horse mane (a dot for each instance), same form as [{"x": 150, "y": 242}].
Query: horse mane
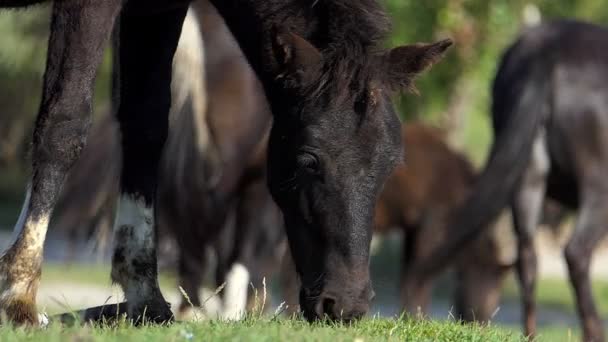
[
  {"x": 349, "y": 34},
  {"x": 357, "y": 25}
]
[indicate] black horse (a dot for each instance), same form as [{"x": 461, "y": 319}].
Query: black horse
[
  {"x": 550, "y": 115},
  {"x": 335, "y": 137}
]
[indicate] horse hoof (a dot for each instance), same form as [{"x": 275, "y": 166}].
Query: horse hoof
[
  {"x": 21, "y": 312},
  {"x": 156, "y": 313}
]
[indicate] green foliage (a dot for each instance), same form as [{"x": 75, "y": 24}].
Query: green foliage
[
  {"x": 23, "y": 46},
  {"x": 481, "y": 29},
  {"x": 458, "y": 87}
]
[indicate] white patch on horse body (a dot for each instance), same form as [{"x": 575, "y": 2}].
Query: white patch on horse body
[
  {"x": 237, "y": 282},
  {"x": 189, "y": 79},
  {"x": 133, "y": 243},
  {"x": 530, "y": 196},
  {"x": 540, "y": 153}
]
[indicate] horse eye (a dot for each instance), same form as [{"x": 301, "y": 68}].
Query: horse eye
[{"x": 308, "y": 161}]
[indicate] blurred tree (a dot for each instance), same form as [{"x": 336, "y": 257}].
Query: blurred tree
[
  {"x": 22, "y": 56},
  {"x": 455, "y": 95},
  {"x": 23, "y": 46}
]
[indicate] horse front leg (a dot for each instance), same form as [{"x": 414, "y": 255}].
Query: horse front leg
[
  {"x": 79, "y": 32},
  {"x": 147, "y": 44}
]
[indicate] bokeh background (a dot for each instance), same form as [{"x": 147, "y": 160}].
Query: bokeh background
[{"x": 455, "y": 96}]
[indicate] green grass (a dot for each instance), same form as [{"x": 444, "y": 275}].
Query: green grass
[
  {"x": 554, "y": 293},
  {"x": 266, "y": 329}
]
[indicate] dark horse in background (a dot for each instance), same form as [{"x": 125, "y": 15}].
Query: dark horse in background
[
  {"x": 550, "y": 116},
  {"x": 335, "y": 137}
]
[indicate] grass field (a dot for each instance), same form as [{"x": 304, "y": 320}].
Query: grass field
[
  {"x": 273, "y": 328},
  {"x": 263, "y": 329},
  {"x": 281, "y": 329}
]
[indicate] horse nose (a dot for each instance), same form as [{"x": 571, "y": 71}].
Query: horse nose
[
  {"x": 339, "y": 309},
  {"x": 326, "y": 306}
]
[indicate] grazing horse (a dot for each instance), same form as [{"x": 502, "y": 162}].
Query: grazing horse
[
  {"x": 334, "y": 140},
  {"x": 419, "y": 199},
  {"x": 550, "y": 118}
]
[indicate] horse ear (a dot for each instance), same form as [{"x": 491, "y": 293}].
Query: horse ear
[
  {"x": 293, "y": 53},
  {"x": 406, "y": 62}
]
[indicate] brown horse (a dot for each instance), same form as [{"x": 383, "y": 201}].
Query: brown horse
[{"x": 418, "y": 199}]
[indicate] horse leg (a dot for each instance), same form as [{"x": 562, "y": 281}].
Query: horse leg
[
  {"x": 230, "y": 273},
  {"x": 79, "y": 32},
  {"x": 192, "y": 266},
  {"x": 527, "y": 207},
  {"x": 290, "y": 284},
  {"x": 415, "y": 290},
  {"x": 147, "y": 45},
  {"x": 590, "y": 229},
  {"x": 250, "y": 208}
]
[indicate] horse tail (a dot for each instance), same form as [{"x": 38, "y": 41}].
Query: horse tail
[{"x": 521, "y": 93}]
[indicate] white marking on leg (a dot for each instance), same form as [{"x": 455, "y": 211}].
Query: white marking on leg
[
  {"x": 135, "y": 213},
  {"x": 237, "y": 282},
  {"x": 20, "y": 263},
  {"x": 134, "y": 243}
]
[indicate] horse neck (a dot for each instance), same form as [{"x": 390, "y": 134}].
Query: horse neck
[{"x": 250, "y": 21}]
